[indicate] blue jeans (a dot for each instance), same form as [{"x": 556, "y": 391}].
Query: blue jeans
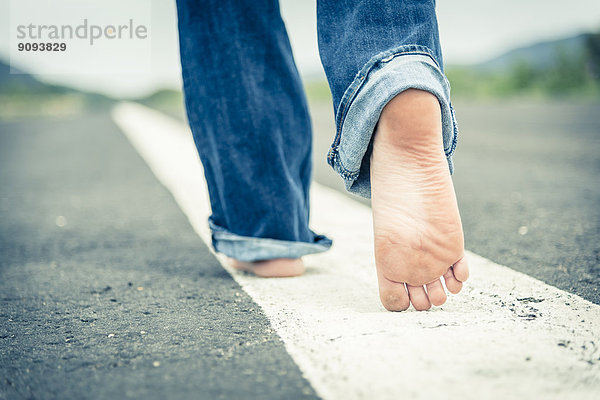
[{"x": 249, "y": 117}]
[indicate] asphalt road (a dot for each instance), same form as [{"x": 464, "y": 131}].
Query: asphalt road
[
  {"x": 527, "y": 177},
  {"x": 106, "y": 291}
]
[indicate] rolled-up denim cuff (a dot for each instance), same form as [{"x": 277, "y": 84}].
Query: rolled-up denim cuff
[
  {"x": 383, "y": 77},
  {"x": 245, "y": 248}
]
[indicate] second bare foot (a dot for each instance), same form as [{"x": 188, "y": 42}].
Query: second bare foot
[{"x": 274, "y": 268}]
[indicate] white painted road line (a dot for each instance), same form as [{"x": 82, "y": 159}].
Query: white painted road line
[{"x": 505, "y": 336}]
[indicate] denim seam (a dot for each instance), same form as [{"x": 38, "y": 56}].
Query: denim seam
[
  {"x": 333, "y": 157},
  {"x": 247, "y": 248},
  {"x": 452, "y": 148}
]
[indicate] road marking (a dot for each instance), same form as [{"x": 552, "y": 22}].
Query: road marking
[{"x": 505, "y": 336}]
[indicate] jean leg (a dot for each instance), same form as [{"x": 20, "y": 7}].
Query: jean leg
[
  {"x": 371, "y": 51},
  {"x": 249, "y": 118}
]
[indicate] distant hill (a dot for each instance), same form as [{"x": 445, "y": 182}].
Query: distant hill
[
  {"x": 539, "y": 56},
  {"x": 10, "y": 83},
  {"x": 24, "y": 84},
  {"x": 565, "y": 67},
  {"x": 22, "y": 95}
]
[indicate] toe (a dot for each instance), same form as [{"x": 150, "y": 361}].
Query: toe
[
  {"x": 393, "y": 295},
  {"x": 418, "y": 298},
  {"x": 436, "y": 293},
  {"x": 461, "y": 269},
  {"x": 454, "y": 285}
]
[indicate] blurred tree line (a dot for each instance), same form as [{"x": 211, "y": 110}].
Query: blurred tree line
[{"x": 573, "y": 72}]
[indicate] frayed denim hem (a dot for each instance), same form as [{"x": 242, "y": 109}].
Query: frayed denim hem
[
  {"x": 382, "y": 78},
  {"x": 245, "y": 248}
]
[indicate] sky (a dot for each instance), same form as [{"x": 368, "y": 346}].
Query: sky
[{"x": 470, "y": 32}]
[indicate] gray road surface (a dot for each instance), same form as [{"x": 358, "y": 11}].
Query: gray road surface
[{"x": 106, "y": 292}]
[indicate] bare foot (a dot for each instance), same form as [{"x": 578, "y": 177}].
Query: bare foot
[
  {"x": 275, "y": 268},
  {"x": 418, "y": 232}
]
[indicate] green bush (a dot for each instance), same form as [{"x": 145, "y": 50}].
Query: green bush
[{"x": 572, "y": 73}]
